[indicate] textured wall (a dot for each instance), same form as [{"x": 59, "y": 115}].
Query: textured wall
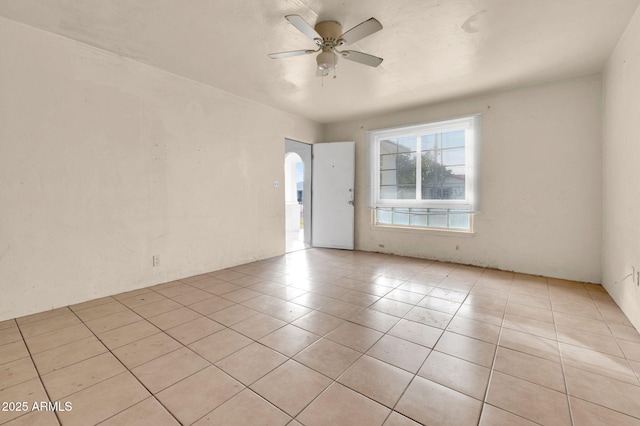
[
  {"x": 621, "y": 177},
  {"x": 540, "y": 190},
  {"x": 105, "y": 162}
]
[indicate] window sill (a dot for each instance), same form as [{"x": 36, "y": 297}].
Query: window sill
[{"x": 433, "y": 231}]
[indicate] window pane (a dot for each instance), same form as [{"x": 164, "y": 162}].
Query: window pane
[
  {"x": 384, "y": 217},
  {"x": 440, "y": 182},
  {"x": 430, "y": 167},
  {"x": 453, "y": 157},
  {"x": 400, "y": 217},
  {"x": 458, "y": 220},
  {"x": 407, "y": 144},
  {"x": 433, "y": 193},
  {"x": 427, "y": 218},
  {"x": 428, "y": 142},
  {"x": 433, "y": 172},
  {"x": 406, "y": 168},
  {"x": 419, "y": 218},
  {"x": 436, "y": 220},
  {"x": 453, "y": 139},
  {"x": 450, "y": 191},
  {"x": 458, "y": 191},
  {"x": 389, "y": 192},
  {"x": 388, "y": 161},
  {"x": 404, "y": 176},
  {"x": 441, "y": 174},
  {"x": 388, "y": 177},
  {"x": 428, "y": 159},
  {"x": 458, "y": 171},
  {"x": 388, "y": 147},
  {"x": 406, "y": 192}
]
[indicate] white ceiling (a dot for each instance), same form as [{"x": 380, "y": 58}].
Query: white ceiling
[{"x": 432, "y": 49}]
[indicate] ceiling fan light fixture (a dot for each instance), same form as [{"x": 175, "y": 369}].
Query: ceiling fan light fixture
[
  {"x": 327, "y": 60},
  {"x": 328, "y": 36}
]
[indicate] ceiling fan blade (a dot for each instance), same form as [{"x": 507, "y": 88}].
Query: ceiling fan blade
[
  {"x": 290, "y": 53},
  {"x": 361, "y": 31},
  {"x": 321, "y": 73},
  {"x": 303, "y": 27},
  {"x": 362, "y": 58}
]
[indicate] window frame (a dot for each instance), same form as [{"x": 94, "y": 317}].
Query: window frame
[{"x": 470, "y": 124}]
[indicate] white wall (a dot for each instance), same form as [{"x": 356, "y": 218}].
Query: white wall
[
  {"x": 621, "y": 177},
  {"x": 105, "y": 162},
  {"x": 540, "y": 189}
]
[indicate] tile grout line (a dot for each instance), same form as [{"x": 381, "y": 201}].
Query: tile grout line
[
  {"x": 125, "y": 367},
  {"x": 187, "y": 347},
  {"x": 495, "y": 357},
  {"x": 364, "y": 265},
  {"x": 495, "y": 354},
  {"x": 497, "y": 344},
  {"x": 430, "y": 352},
  {"x": 617, "y": 340},
  {"x": 431, "y": 349},
  {"x": 335, "y": 381},
  {"x": 55, "y": 412},
  {"x": 501, "y": 329},
  {"x": 289, "y": 358},
  {"x": 562, "y": 365},
  {"x": 393, "y": 409},
  {"x": 314, "y": 309}
]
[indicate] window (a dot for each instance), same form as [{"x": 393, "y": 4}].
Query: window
[{"x": 424, "y": 175}]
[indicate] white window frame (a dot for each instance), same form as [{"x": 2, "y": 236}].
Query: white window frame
[{"x": 471, "y": 126}]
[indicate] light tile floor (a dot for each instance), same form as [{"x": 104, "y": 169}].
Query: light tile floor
[{"x": 327, "y": 337}]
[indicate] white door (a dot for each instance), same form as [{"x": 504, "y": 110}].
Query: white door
[{"x": 333, "y": 195}]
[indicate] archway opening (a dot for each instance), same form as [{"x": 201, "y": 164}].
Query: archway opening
[{"x": 294, "y": 200}]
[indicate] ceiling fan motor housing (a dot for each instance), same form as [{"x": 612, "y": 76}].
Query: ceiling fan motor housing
[
  {"x": 330, "y": 32},
  {"x": 328, "y": 36}
]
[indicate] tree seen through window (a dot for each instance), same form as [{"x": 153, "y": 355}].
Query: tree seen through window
[{"x": 442, "y": 164}]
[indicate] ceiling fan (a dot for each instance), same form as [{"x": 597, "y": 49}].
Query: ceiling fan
[{"x": 328, "y": 36}]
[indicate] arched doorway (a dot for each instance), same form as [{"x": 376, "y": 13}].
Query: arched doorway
[{"x": 297, "y": 178}]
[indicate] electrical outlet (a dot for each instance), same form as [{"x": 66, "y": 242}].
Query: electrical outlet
[{"x": 156, "y": 260}]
